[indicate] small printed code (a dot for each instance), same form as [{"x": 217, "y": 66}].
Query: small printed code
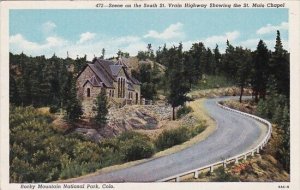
[{"x": 283, "y": 187}]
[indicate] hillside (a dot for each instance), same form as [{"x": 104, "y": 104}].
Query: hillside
[
  {"x": 134, "y": 63},
  {"x": 263, "y": 167}
]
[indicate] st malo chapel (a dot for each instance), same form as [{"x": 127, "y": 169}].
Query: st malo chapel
[{"x": 121, "y": 87}]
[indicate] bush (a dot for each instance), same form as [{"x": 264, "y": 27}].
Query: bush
[
  {"x": 135, "y": 146},
  {"x": 184, "y": 110},
  {"x": 169, "y": 138},
  {"x": 136, "y": 149},
  {"x": 195, "y": 130},
  {"x": 223, "y": 176},
  {"x": 128, "y": 135},
  {"x": 75, "y": 169},
  {"x": 35, "y": 147}
]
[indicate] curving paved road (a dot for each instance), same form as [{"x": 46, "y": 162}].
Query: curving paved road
[{"x": 234, "y": 134}]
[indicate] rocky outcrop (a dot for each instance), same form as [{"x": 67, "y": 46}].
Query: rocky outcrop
[
  {"x": 138, "y": 117},
  {"x": 129, "y": 117}
]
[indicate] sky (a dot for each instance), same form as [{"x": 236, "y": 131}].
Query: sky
[{"x": 79, "y": 32}]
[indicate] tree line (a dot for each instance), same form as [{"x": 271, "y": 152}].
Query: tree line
[
  {"x": 39, "y": 81},
  {"x": 262, "y": 70}
]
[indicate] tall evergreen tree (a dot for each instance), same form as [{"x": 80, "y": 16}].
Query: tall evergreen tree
[
  {"x": 73, "y": 105},
  {"x": 210, "y": 66},
  {"x": 217, "y": 57},
  {"x": 190, "y": 73},
  {"x": 260, "y": 71},
  {"x": 178, "y": 87},
  {"x": 102, "y": 53},
  {"x": 101, "y": 108},
  {"x": 198, "y": 52},
  {"x": 14, "y": 96},
  {"x": 79, "y": 64},
  {"x": 243, "y": 61},
  {"x": 280, "y": 68},
  {"x": 229, "y": 64}
]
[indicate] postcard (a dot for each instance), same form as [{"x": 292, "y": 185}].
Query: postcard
[{"x": 150, "y": 94}]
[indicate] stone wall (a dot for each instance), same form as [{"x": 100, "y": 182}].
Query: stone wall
[
  {"x": 137, "y": 93},
  {"x": 84, "y": 76},
  {"x": 89, "y": 102}
]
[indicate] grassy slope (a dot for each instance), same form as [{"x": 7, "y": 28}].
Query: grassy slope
[{"x": 198, "y": 112}]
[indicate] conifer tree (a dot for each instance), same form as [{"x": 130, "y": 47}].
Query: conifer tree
[
  {"x": 101, "y": 108},
  {"x": 73, "y": 105},
  {"x": 260, "y": 71},
  {"x": 198, "y": 52},
  {"x": 178, "y": 87},
  {"x": 229, "y": 63},
  {"x": 217, "y": 57},
  {"x": 14, "y": 96},
  {"x": 190, "y": 73},
  {"x": 102, "y": 53},
  {"x": 243, "y": 62},
  {"x": 279, "y": 67}
]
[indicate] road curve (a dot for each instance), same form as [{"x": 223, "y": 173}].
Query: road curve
[{"x": 235, "y": 134}]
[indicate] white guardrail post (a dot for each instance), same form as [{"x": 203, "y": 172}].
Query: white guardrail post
[{"x": 234, "y": 158}]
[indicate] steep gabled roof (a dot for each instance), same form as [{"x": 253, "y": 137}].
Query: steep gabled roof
[
  {"x": 106, "y": 73},
  {"x": 102, "y": 69},
  {"x": 115, "y": 69},
  {"x": 131, "y": 78},
  {"x": 94, "y": 81}
]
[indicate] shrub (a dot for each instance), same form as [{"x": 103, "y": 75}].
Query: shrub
[
  {"x": 195, "y": 130},
  {"x": 75, "y": 169},
  {"x": 35, "y": 148},
  {"x": 184, "y": 110},
  {"x": 131, "y": 135},
  {"x": 135, "y": 146},
  {"x": 136, "y": 149},
  {"x": 223, "y": 176},
  {"x": 169, "y": 138}
]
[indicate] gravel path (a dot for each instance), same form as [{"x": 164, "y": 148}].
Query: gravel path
[{"x": 234, "y": 134}]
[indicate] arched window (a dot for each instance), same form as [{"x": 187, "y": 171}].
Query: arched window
[{"x": 88, "y": 92}]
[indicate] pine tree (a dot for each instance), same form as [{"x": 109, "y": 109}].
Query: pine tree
[
  {"x": 217, "y": 57},
  {"x": 279, "y": 67},
  {"x": 190, "y": 74},
  {"x": 260, "y": 71},
  {"x": 101, "y": 109},
  {"x": 79, "y": 64},
  {"x": 178, "y": 87},
  {"x": 229, "y": 63},
  {"x": 285, "y": 149},
  {"x": 102, "y": 53},
  {"x": 198, "y": 52},
  {"x": 73, "y": 105},
  {"x": 210, "y": 62},
  {"x": 14, "y": 96},
  {"x": 243, "y": 62}
]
